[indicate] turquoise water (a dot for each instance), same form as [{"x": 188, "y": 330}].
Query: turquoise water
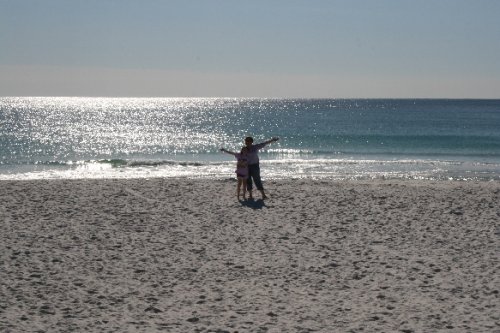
[{"x": 181, "y": 137}]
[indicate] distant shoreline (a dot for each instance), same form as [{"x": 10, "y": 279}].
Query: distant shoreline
[{"x": 267, "y": 98}]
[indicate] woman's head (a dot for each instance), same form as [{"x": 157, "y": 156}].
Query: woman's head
[{"x": 248, "y": 141}]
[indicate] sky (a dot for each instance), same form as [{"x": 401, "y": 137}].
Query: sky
[{"x": 251, "y": 48}]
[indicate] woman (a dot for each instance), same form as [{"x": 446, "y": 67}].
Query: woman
[{"x": 253, "y": 165}]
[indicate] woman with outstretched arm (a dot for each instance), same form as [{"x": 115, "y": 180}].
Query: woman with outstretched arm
[{"x": 253, "y": 165}]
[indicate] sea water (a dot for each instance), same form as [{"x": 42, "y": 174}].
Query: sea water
[{"x": 63, "y": 137}]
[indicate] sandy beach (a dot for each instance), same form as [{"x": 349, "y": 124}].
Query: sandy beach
[{"x": 180, "y": 255}]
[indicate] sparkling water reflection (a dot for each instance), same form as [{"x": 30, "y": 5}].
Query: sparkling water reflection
[{"x": 172, "y": 137}]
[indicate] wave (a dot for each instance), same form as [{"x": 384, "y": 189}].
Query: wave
[
  {"x": 277, "y": 167},
  {"x": 381, "y": 154},
  {"x": 146, "y": 163},
  {"x": 282, "y": 158},
  {"x": 290, "y": 151},
  {"x": 115, "y": 163},
  {"x": 380, "y": 162}
]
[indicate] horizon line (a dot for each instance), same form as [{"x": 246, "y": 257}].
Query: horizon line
[{"x": 244, "y": 97}]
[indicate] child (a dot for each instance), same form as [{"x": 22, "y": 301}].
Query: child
[{"x": 241, "y": 170}]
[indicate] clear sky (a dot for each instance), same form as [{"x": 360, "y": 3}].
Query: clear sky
[{"x": 250, "y": 48}]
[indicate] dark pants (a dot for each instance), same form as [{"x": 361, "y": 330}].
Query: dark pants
[{"x": 254, "y": 172}]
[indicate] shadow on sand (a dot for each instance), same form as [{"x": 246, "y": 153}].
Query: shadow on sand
[{"x": 254, "y": 204}]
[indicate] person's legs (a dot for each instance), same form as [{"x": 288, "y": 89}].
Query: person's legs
[
  {"x": 249, "y": 181},
  {"x": 244, "y": 185},
  {"x": 257, "y": 180},
  {"x": 240, "y": 181}
]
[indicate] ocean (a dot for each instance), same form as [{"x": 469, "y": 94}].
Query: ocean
[{"x": 341, "y": 139}]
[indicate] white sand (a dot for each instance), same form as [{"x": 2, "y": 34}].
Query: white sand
[{"x": 185, "y": 256}]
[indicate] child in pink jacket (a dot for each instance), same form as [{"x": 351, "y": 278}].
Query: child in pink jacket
[{"x": 241, "y": 170}]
